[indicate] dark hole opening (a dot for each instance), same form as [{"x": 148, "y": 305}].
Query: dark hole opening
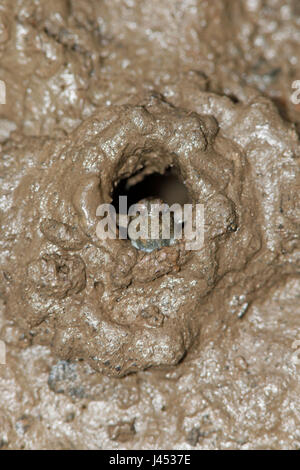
[{"x": 166, "y": 186}]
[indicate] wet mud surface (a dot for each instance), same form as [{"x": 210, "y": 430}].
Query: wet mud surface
[{"x": 109, "y": 346}]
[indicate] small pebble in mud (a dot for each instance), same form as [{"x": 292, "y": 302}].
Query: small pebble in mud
[
  {"x": 122, "y": 431},
  {"x": 241, "y": 363},
  {"x": 152, "y": 317},
  {"x": 23, "y": 424},
  {"x": 70, "y": 417},
  {"x": 145, "y": 221},
  {"x": 63, "y": 379},
  {"x": 3, "y": 443},
  {"x": 194, "y": 436}
]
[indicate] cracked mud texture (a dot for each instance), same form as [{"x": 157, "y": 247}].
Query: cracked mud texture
[{"x": 109, "y": 346}]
